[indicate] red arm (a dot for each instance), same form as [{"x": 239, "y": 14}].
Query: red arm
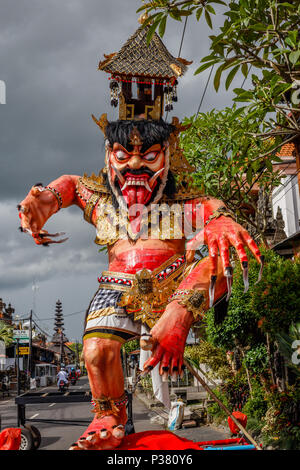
[
  {"x": 207, "y": 281},
  {"x": 42, "y": 202}
]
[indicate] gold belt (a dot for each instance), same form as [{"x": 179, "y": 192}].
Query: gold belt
[{"x": 146, "y": 293}]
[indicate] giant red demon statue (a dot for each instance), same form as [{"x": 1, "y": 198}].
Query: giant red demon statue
[{"x": 146, "y": 212}]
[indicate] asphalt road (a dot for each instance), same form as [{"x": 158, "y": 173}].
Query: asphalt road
[
  {"x": 54, "y": 436},
  {"x": 61, "y": 436}
]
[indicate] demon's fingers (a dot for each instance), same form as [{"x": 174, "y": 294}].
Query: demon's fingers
[
  {"x": 213, "y": 259},
  {"x": 238, "y": 243},
  {"x": 213, "y": 254},
  {"x": 250, "y": 243},
  {"x": 165, "y": 363},
  {"x": 154, "y": 359},
  {"x": 174, "y": 367},
  {"x": 224, "y": 252},
  {"x": 198, "y": 239}
]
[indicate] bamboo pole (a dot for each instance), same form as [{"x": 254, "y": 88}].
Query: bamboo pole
[{"x": 211, "y": 393}]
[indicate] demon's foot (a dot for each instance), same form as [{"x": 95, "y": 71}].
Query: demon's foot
[{"x": 103, "y": 434}]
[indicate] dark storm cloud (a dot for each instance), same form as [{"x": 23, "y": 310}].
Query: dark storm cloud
[
  {"x": 49, "y": 52},
  {"x": 49, "y": 55}
]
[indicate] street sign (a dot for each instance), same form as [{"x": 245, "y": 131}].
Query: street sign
[
  {"x": 21, "y": 335},
  {"x": 23, "y": 350}
]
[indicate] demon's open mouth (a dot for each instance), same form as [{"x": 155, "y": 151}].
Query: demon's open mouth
[{"x": 137, "y": 186}]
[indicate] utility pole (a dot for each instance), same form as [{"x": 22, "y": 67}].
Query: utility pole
[
  {"x": 18, "y": 370},
  {"x": 77, "y": 354},
  {"x": 30, "y": 345}
]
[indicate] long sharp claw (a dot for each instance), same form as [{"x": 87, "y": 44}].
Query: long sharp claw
[
  {"x": 58, "y": 234},
  {"x": 211, "y": 290},
  {"x": 27, "y": 230},
  {"x": 245, "y": 275},
  {"x": 228, "y": 275},
  {"x": 262, "y": 259},
  {"x": 57, "y": 241}
]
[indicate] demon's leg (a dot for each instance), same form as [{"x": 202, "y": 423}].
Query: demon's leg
[{"x": 103, "y": 363}]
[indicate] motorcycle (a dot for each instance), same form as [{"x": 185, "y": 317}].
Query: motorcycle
[
  {"x": 62, "y": 386},
  {"x": 73, "y": 380}
]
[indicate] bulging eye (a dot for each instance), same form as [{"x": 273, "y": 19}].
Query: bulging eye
[
  {"x": 121, "y": 155},
  {"x": 151, "y": 156}
]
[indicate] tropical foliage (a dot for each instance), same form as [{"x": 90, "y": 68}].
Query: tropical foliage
[{"x": 6, "y": 333}]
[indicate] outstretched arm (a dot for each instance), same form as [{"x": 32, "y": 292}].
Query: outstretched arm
[
  {"x": 207, "y": 282},
  {"x": 42, "y": 202},
  {"x": 219, "y": 231}
]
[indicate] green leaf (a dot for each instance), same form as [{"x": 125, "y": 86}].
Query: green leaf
[
  {"x": 199, "y": 13},
  {"x": 231, "y": 76},
  {"x": 208, "y": 19},
  {"x": 210, "y": 9},
  {"x": 217, "y": 78},
  {"x": 204, "y": 67},
  {"x": 294, "y": 56},
  {"x": 245, "y": 70},
  {"x": 152, "y": 28},
  {"x": 175, "y": 14},
  {"x": 162, "y": 26}
]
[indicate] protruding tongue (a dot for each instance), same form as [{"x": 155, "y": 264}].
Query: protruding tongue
[
  {"x": 135, "y": 195},
  {"x": 141, "y": 195}
]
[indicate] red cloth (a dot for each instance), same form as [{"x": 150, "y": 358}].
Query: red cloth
[
  {"x": 241, "y": 417},
  {"x": 10, "y": 439},
  {"x": 156, "y": 440}
]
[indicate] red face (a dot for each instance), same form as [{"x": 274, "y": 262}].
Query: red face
[{"x": 135, "y": 175}]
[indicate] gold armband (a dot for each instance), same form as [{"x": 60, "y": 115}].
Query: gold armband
[
  {"x": 90, "y": 206},
  {"x": 217, "y": 213},
  {"x": 193, "y": 300}
]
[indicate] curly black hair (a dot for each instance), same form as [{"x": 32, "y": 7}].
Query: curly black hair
[{"x": 151, "y": 131}]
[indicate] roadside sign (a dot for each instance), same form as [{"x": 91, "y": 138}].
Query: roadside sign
[
  {"x": 23, "y": 350},
  {"x": 21, "y": 335}
]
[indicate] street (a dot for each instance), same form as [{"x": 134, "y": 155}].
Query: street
[
  {"x": 54, "y": 436},
  {"x": 61, "y": 436}
]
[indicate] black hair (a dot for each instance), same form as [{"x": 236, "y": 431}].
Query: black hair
[{"x": 151, "y": 131}]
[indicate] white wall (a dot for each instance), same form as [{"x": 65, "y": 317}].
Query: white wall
[{"x": 286, "y": 196}]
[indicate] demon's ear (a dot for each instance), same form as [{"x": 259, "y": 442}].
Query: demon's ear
[{"x": 102, "y": 122}]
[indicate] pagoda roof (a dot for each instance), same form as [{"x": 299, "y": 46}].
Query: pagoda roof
[{"x": 137, "y": 58}]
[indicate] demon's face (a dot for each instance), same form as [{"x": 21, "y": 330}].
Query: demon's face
[{"x": 137, "y": 175}]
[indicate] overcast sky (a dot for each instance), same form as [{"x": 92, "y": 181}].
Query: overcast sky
[{"x": 49, "y": 53}]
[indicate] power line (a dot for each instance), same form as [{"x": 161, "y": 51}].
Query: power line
[
  {"x": 182, "y": 37},
  {"x": 204, "y": 92},
  {"x": 67, "y": 315},
  {"x": 39, "y": 328},
  {"x": 246, "y": 76},
  {"x": 180, "y": 47}
]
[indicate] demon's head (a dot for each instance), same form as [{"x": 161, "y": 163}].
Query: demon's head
[{"x": 137, "y": 161}]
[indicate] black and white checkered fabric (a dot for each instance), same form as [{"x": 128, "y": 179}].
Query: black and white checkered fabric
[{"x": 106, "y": 298}]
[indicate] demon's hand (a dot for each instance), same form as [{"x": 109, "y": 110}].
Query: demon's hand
[
  {"x": 219, "y": 234},
  {"x": 34, "y": 211},
  {"x": 168, "y": 338}
]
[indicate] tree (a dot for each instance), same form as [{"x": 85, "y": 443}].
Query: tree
[
  {"x": 6, "y": 333},
  {"x": 261, "y": 34},
  {"x": 229, "y": 161}
]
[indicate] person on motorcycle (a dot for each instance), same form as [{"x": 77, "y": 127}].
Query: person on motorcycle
[
  {"x": 62, "y": 376},
  {"x": 72, "y": 376}
]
